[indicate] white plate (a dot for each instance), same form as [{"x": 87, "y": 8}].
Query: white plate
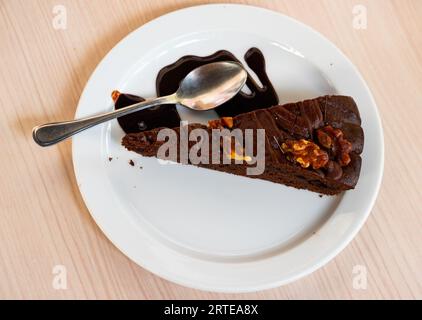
[{"x": 206, "y": 229}]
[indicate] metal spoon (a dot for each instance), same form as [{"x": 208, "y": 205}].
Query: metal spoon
[{"x": 204, "y": 88}]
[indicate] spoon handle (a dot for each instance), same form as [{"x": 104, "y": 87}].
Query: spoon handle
[{"x": 52, "y": 133}]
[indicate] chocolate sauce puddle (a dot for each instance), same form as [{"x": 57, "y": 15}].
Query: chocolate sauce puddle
[{"x": 168, "y": 80}]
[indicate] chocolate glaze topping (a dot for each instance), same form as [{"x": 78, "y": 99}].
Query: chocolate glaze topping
[{"x": 168, "y": 80}]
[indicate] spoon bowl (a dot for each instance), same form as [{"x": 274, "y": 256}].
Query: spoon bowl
[{"x": 211, "y": 85}]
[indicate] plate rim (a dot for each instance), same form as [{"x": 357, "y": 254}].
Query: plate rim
[{"x": 338, "y": 248}]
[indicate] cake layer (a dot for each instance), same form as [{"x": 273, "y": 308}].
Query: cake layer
[{"x": 328, "y": 125}]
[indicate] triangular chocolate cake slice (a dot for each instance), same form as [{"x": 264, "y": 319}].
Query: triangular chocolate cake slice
[{"x": 314, "y": 144}]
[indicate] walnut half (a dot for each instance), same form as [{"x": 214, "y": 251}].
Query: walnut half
[
  {"x": 333, "y": 140},
  {"x": 306, "y": 153},
  {"x": 224, "y": 122}
]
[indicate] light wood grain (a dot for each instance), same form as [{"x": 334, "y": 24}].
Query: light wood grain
[{"x": 44, "y": 222}]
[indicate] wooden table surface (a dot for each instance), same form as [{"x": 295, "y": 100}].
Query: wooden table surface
[{"x": 44, "y": 222}]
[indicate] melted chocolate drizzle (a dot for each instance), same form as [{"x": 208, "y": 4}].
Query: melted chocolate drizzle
[
  {"x": 168, "y": 81},
  {"x": 155, "y": 117}
]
